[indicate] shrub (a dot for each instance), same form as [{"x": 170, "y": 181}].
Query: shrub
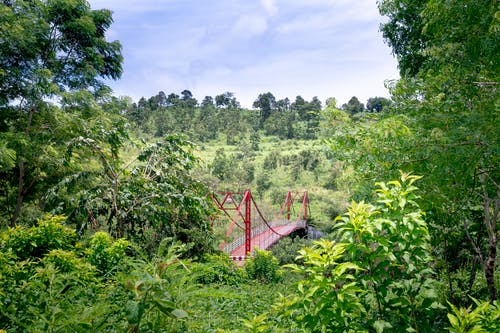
[
  {"x": 263, "y": 266},
  {"x": 218, "y": 269},
  {"x": 485, "y": 318},
  {"x": 58, "y": 293},
  {"x": 391, "y": 241},
  {"x": 68, "y": 262},
  {"x": 107, "y": 254},
  {"x": 328, "y": 298},
  {"x": 158, "y": 292},
  {"x": 34, "y": 242},
  {"x": 287, "y": 249},
  {"x": 378, "y": 277}
]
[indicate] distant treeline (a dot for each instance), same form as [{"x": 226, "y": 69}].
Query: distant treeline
[{"x": 203, "y": 121}]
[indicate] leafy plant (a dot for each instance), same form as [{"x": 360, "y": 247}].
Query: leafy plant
[
  {"x": 46, "y": 286},
  {"x": 390, "y": 240},
  {"x": 256, "y": 324},
  {"x": 47, "y": 47},
  {"x": 376, "y": 277},
  {"x": 34, "y": 242},
  {"x": 485, "y": 317},
  {"x": 152, "y": 197},
  {"x": 59, "y": 293},
  {"x": 107, "y": 254},
  {"x": 218, "y": 269},
  {"x": 328, "y": 298},
  {"x": 159, "y": 289},
  {"x": 69, "y": 262},
  {"x": 263, "y": 266},
  {"x": 287, "y": 249}
]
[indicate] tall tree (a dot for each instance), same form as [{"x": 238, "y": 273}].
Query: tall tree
[
  {"x": 353, "y": 106},
  {"x": 207, "y": 101},
  {"x": 377, "y": 104},
  {"x": 156, "y": 195},
  {"x": 283, "y": 104},
  {"x": 266, "y": 103},
  {"x": 300, "y": 106},
  {"x": 173, "y": 99},
  {"x": 444, "y": 127},
  {"x": 188, "y": 100},
  {"x": 206, "y": 123},
  {"x": 46, "y": 48},
  {"x": 404, "y": 33},
  {"x": 226, "y": 100},
  {"x": 460, "y": 85},
  {"x": 162, "y": 99}
]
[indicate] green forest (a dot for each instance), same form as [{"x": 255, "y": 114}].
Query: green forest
[{"x": 107, "y": 222}]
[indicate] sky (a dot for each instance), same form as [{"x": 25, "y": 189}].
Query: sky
[{"x": 323, "y": 48}]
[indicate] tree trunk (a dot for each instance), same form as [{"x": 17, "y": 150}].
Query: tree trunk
[
  {"x": 472, "y": 277},
  {"x": 448, "y": 271},
  {"x": 490, "y": 220},
  {"x": 21, "y": 189},
  {"x": 475, "y": 261},
  {"x": 20, "y": 194},
  {"x": 489, "y": 267},
  {"x": 489, "y": 271}
]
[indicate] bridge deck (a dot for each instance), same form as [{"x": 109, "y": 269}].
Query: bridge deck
[{"x": 268, "y": 238}]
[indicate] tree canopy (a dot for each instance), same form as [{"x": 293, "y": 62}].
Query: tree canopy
[
  {"x": 443, "y": 125},
  {"x": 51, "y": 46},
  {"x": 48, "y": 49}
]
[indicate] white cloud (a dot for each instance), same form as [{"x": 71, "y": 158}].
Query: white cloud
[
  {"x": 250, "y": 25},
  {"x": 300, "y": 73},
  {"x": 324, "y": 48},
  {"x": 314, "y": 22},
  {"x": 270, "y": 6}
]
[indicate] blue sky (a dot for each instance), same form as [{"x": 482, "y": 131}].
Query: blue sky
[{"x": 324, "y": 48}]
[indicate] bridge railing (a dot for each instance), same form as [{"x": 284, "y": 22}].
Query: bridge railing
[
  {"x": 257, "y": 230},
  {"x": 242, "y": 204}
]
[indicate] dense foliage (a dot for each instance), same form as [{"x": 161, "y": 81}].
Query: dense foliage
[
  {"x": 47, "y": 48},
  {"x": 106, "y": 221},
  {"x": 223, "y": 114},
  {"x": 374, "y": 277},
  {"x": 443, "y": 125}
]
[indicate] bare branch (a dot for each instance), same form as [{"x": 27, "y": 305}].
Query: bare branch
[{"x": 474, "y": 245}]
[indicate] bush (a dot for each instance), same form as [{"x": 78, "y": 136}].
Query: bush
[
  {"x": 391, "y": 241},
  {"x": 69, "y": 262},
  {"x": 107, "y": 254},
  {"x": 158, "y": 292},
  {"x": 485, "y": 318},
  {"x": 58, "y": 293},
  {"x": 328, "y": 299},
  {"x": 287, "y": 249},
  {"x": 263, "y": 266},
  {"x": 35, "y": 242},
  {"x": 378, "y": 277},
  {"x": 218, "y": 269}
]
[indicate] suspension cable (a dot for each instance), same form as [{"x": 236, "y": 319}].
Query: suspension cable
[{"x": 262, "y": 217}]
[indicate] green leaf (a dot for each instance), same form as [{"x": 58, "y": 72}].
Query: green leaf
[
  {"x": 133, "y": 311},
  {"x": 453, "y": 320},
  {"x": 165, "y": 306},
  {"x": 341, "y": 268},
  {"x": 380, "y": 325},
  {"x": 178, "y": 313}
]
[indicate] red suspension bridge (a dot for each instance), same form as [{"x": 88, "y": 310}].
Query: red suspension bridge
[{"x": 249, "y": 228}]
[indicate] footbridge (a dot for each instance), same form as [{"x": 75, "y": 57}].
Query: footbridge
[{"x": 248, "y": 228}]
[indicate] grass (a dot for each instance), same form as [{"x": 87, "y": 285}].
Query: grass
[{"x": 223, "y": 308}]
